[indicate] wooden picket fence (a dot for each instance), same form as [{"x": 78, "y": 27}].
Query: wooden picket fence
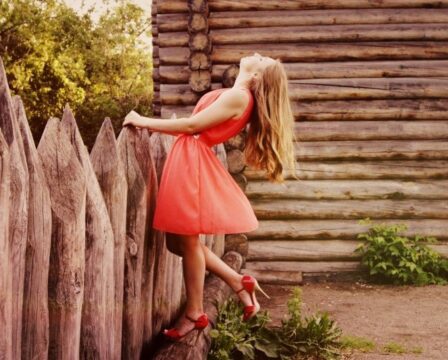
[{"x": 83, "y": 275}]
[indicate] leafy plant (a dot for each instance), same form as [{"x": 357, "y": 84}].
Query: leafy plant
[
  {"x": 393, "y": 258},
  {"x": 316, "y": 336},
  {"x": 235, "y": 339}
]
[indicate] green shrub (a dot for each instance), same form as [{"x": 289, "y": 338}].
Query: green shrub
[
  {"x": 233, "y": 338},
  {"x": 315, "y": 337},
  {"x": 392, "y": 258}
]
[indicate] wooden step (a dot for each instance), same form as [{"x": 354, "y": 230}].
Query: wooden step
[
  {"x": 349, "y": 169},
  {"x": 313, "y": 250},
  {"x": 378, "y": 149},
  {"x": 328, "y": 229},
  {"x": 350, "y": 209},
  {"x": 348, "y": 189}
]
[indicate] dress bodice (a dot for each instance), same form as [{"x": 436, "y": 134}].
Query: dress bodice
[{"x": 225, "y": 130}]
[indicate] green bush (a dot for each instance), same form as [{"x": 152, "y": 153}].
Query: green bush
[
  {"x": 392, "y": 258},
  {"x": 234, "y": 339},
  {"x": 315, "y": 337}
]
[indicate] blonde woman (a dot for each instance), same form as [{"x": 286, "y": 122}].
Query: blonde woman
[{"x": 197, "y": 195}]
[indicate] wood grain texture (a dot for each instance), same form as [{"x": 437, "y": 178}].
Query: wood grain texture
[
  {"x": 178, "y": 74},
  {"x": 109, "y": 170},
  {"x": 5, "y": 263},
  {"x": 274, "y": 18},
  {"x": 347, "y": 229},
  {"x": 66, "y": 178},
  {"x": 353, "y": 169},
  {"x": 98, "y": 305},
  {"x": 136, "y": 212},
  {"x": 350, "y": 209},
  {"x": 180, "y": 6},
  {"x": 378, "y": 149},
  {"x": 18, "y": 207},
  {"x": 35, "y": 328},
  {"x": 349, "y": 189},
  {"x": 313, "y": 250}
]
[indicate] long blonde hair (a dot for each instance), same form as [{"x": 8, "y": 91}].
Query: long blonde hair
[{"x": 271, "y": 136}]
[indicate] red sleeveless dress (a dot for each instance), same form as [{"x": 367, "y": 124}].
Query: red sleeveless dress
[{"x": 197, "y": 194}]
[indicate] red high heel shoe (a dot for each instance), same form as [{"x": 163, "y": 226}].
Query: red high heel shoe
[
  {"x": 200, "y": 323},
  {"x": 250, "y": 284}
]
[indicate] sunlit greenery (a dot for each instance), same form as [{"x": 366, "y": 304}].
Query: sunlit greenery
[{"x": 54, "y": 56}]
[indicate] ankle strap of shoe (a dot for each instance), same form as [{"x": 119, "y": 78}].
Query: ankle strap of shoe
[{"x": 194, "y": 320}]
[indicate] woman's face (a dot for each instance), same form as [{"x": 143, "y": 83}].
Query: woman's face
[{"x": 255, "y": 63}]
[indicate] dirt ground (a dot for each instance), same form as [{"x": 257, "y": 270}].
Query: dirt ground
[{"x": 409, "y": 316}]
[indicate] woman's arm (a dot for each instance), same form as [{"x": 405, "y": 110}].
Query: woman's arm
[{"x": 229, "y": 104}]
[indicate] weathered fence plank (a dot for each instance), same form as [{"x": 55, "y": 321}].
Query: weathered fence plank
[
  {"x": 35, "y": 328},
  {"x": 97, "y": 341},
  {"x": 109, "y": 170},
  {"x": 133, "y": 321},
  {"x": 67, "y": 182},
  {"x": 18, "y": 208},
  {"x": 5, "y": 263}
]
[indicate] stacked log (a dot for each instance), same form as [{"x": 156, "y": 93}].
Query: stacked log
[
  {"x": 200, "y": 46},
  {"x": 156, "y": 109}
]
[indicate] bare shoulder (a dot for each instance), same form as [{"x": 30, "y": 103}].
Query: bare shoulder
[{"x": 236, "y": 98}]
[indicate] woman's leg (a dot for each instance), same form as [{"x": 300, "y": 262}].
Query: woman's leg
[
  {"x": 193, "y": 264},
  {"x": 214, "y": 264},
  {"x": 217, "y": 266}
]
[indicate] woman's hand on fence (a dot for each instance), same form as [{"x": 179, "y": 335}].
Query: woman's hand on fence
[{"x": 133, "y": 118}]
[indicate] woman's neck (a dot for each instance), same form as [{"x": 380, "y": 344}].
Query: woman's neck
[{"x": 242, "y": 80}]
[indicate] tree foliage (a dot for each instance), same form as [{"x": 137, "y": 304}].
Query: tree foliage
[{"x": 54, "y": 56}]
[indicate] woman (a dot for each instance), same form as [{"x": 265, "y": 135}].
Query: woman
[{"x": 197, "y": 195}]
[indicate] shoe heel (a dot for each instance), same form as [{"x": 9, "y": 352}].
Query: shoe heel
[{"x": 258, "y": 287}]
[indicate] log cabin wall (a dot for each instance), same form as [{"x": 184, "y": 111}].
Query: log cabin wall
[{"x": 369, "y": 88}]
